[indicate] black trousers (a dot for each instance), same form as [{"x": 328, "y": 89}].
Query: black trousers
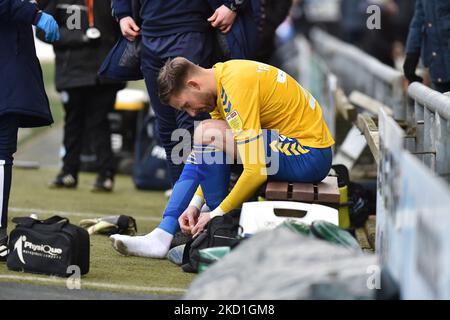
[
  {"x": 86, "y": 112},
  {"x": 9, "y": 125}
]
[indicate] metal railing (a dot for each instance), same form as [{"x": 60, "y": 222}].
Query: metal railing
[
  {"x": 428, "y": 118},
  {"x": 412, "y": 202},
  {"x": 315, "y": 75},
  {"x": 358, "y": 70},
  {"x": 412, "y": 219}
]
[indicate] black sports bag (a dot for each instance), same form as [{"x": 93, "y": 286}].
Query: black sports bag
[
  {"x": 221, "y": 231},
  {"x": 48, "y": 246}
]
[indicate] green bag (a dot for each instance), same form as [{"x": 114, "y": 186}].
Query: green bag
[
  {"x": 332, "y": 233},
  {"x": 296, "y": 226},
  {"x": 211, "y": 255},
  {"x": 323, "y": 230}
]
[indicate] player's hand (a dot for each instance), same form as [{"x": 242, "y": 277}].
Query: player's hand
[
  {"x": 129, "y": 28},
  {"x": 223, "y": 19},
  {"x": 201, "y": 224},
  {"x": 188, "y": 219}
]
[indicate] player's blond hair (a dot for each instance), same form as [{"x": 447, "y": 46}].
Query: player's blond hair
[{"x": 172, "y": 77}]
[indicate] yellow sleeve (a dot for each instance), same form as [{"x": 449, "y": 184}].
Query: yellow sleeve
[
  {"x": 254, "y": 175},
  {"x": 244, "y": 120},
  {"x": 215, "y": 115}
]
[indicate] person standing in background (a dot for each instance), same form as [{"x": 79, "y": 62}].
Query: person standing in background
[
  {"x": 429, "y": 39},
  {"x": 169, "y": 29},
  {"x": 87, "y": 100},
  {"x": 273, "y": 13},
  {"x": 403, "y": 19},
  {"x": 380, "y": 42},
  {"x": 23, "y": 101},
  {"x": 353, "y": 21}
]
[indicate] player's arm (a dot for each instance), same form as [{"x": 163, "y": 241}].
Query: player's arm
[
  {"x": 254, "y": 175},
  {"x": 246, "y": 127}
]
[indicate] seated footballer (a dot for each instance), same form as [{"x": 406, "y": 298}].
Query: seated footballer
[{"x": 260, "y": 115}]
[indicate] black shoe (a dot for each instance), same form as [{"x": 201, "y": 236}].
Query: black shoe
[
  {"x": 64, "y": 180},
  {"x": 179, "y": 239},
  {"x": 103, "y": 184},
  {"x": 4, "y": 252}
]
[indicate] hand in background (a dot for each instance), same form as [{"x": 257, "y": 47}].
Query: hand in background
[
  {"x": 129, "y": 28},
  {"x": 223, "y": 18},
  {"x": 50, "y": 27},
  {"x": 409, "y": 67}
]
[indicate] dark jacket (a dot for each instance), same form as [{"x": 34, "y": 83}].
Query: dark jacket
[
  {"x": 123, "y": 62},
  {"x": 78, "y": 59},
  {"x": 166, "y": 17},
  {"x": 429, "y": 34},
  {"x": 403, "y": 19},
  {"x": 242, "y": 40},
  {"x": 272, "y": 14},
  {"x": 379, "y": 42},
  {"x": 21, "y": 84}
]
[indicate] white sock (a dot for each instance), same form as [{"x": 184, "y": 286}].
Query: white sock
[{"x": 156, "y": 244}]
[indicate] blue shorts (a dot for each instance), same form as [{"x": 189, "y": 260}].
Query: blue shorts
[{"x": 288, "y": 160}]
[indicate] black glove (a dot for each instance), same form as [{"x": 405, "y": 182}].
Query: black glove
[{"x": 409, "y": 67}]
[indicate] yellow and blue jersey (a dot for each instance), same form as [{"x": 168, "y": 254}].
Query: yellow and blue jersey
[{"x": 252, "y": 96}]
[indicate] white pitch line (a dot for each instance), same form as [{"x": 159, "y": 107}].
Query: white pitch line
[
  {"x": 77, "y": 214},
  {"x": 94, "y": 285}
]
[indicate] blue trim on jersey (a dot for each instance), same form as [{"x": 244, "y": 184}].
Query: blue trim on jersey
[
  {"x": 203, "y": 148},
  {"x": 249, "y": 140},
  {"x": 225, "y": 100}
]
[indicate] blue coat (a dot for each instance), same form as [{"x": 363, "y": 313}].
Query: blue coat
[
  {"x": 429, "y": 34},
  {"x": 21, "y": 84}
]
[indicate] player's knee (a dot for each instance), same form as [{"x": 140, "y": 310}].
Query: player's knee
[{"x": 211, "y": 132}]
